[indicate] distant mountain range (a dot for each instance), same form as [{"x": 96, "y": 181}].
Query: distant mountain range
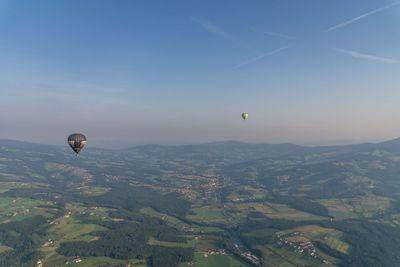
[{"x": 269, "y": 149}]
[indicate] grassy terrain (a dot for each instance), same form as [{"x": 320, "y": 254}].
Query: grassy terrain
[
  {"x": 105, "y": 261},
  {"x": 249, "y": 192},
  {"x": 4, "y": 249},
  {"x": 59, "y": 260},
  {"x": 277, "y": 211},
  {"x": 256, "y": 192},
  {"x": 94, "y": 191},
  {"x": 67, "y": 229},
  {"x": 171, "y": 220},
  {"x": 224, "y": 204},
  {"x": 217, "y": 261},
  {"x": 71, "y": 230},
  {"x": 331, "y": 237},
  {"x": 6, "y": 186},
  {"x": 306, "y": 234},
  {"x": 16, "y": 209},
  {"x": 205, "y": 229},
  {"x": 362, "y": 207},
  {"x": 261, "y": 232},
  {"x": 154, "y": 242},
  {"x": 205, "y": 243},
  {"x": 10, "y": 176},
  {"x": 272, "y": 259},
  {"x": 208, "y": 214},
  {"x": 286, "y": 256},
  {"x": 94, "y": 212}
]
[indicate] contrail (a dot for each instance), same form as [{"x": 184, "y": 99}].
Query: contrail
[
  {"x": 276, "y": 51},
  {"x": 374, "y": 58},
  {"x": 214, "y": 29},
  {"x": 361, "y": 17},
  {"x": 274, "y": 34}
]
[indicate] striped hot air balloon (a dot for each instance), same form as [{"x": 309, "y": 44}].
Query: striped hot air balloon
[{"x": 77, "y": 141}]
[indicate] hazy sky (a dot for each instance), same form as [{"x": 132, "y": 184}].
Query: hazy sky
[{"x": 143, "y": 71}]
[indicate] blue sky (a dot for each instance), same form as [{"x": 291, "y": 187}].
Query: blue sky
[{"x": 134, "y": 72}]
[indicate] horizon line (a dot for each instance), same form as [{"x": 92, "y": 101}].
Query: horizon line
[{"x": 327, "y": 144}]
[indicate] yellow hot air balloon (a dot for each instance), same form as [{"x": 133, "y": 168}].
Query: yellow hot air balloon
[{"x": 245, "y": 116}]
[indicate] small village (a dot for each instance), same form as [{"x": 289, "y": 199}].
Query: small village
[
  {"x": 210, "y": 187},
  {"x": 22, "y": 211},
  {"x": 210, "y": 252},
  {"x": 298, "y": 243}
]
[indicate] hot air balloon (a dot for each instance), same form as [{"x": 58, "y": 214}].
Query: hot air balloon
[
  {"x": 245, "y": 116},
  {"x": 77, "y": 141}
]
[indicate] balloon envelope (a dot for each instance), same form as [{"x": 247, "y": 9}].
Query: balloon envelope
[
  {"x": 245, "y": 116},
  {"x": 77, "y": 141}
]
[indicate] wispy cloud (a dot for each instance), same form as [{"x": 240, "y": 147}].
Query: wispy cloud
[
  {"x": 217, "y": 30},
  {"x": 212, "y": 28},
  {"x": 368, "y": 57},
  {"x": 351, "y": 21},
  {"x": 274, "y": 34},
  {"x": 271, "y": 53}
]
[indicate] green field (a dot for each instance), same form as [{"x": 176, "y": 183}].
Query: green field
[
  {"x": 261, "y": 232},
  {"x": 4, "y": 249},
  {"x": 338, "y": 245},
  {"x": 277, "y": 211},
  {"x": 105, "y": 261},
  {"x": 62, "y": 170},
  {"x": 245, "y": 192},
  {"x": 6, "y": 186},
  {"x": 66, "y": 229},
  {"x": 9, "y": 176},
  {"x": 256, "y": 192},
  {"x": 208, "y": 214},
  {"x": 206, "y": 229},
  {"x": 58, "y": 260},
  {"x": 311, "y": 233},
  {"x": 217, "y": 261},
  {"x": 272, "y": 259},
  {"x": 94, "y": 213},
  {"x": 328, "y": 236},
  {"x": 171, "y": 220},
  {"x": 16, "y": 209},
  {"x": 363, "y": 207},
  {"x": 206, "y": 243},
  {"x": 275, "y": 256},
  {"x": 71, "y": 230},
  {"x": 94, "y": 191},
  {"x": 154, "y": 242}
]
